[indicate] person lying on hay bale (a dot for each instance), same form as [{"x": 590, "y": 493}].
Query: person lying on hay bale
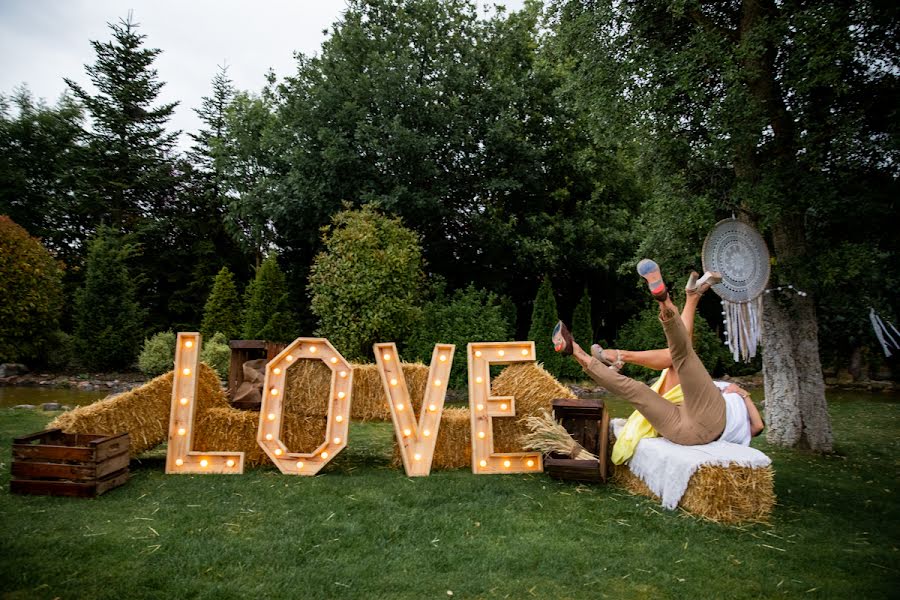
[{"x": 708, "y": 412}]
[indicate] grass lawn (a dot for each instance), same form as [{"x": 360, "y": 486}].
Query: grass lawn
[{"x": 364, "y": 530}]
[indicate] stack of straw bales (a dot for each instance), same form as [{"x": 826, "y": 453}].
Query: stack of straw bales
[{"x": 731, "y": 494}]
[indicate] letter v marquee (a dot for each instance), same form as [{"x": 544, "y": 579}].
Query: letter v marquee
[
  {"x": 416, "y": 440},
  {"x": 483, "y": 408},
  {"x": 272, "y": 408}
]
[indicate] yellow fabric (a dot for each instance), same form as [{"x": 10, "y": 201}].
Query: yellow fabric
[{"x": 637, "y": 427}]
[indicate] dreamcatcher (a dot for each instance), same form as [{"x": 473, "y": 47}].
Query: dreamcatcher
[{"x": 739, "y": 253}]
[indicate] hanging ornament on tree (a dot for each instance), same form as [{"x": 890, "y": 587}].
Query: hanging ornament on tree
[{"x": 739, "y": 253}]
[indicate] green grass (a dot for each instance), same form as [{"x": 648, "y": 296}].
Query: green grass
[{"x": 364, "y": 530}]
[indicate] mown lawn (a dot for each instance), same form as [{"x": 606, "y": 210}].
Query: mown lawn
[{"x": 364, "y": 530}]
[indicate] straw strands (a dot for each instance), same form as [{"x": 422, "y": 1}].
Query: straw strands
[
  {"x": 369, "y": 401},
  {"x": 547, "y": 436},
  {"x": 722, "y": 494}
]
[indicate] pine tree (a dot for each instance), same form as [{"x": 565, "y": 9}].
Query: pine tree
[
  {"x": 108, "y": 318},
  {"x": 130, "y": 153},
  {"x": 582, "y": 332},
  {"x": 543, "y": 319},
  {"x": 267, "y": 314},
  {"x": 205, "y": 154},
  {"x": 222, "y": 312}
]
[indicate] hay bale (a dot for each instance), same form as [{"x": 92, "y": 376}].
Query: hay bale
[
  {"x": 534, "y": 390},
  {"x": 306, "y": 388},
  {"x": 732, "y": 494},
  {"x": 143, "y": 412},
  {"x": 369, "y": 402},
  {"x": 232, "y": 430},
  {"x": 453, "y": 448}
]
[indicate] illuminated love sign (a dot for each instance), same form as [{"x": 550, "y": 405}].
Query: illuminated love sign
[{"x": 416, "y": 438}]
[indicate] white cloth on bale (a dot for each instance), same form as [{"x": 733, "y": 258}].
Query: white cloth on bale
[{"x": 667, "y": 468}]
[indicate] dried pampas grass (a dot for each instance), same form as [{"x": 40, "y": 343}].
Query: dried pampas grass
[{"x": 547, "y": 436}]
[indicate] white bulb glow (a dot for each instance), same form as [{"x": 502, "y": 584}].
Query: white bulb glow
[
  {"x": 407, "y": 432},
  {"x": 178, "y": 462},
  {"x": 478, "y": 353},
  {"x": 393, "y": 381},
  {"x": 399, "y": 407},
  {"x": 184, "y": 401},
  {"x": 274, "y": 391},
  {"x": 188, "y": 344},
  {"x": 443, "y": 358},
  {"x": 501, "y": 353},
  {"x": 277, "y": 371},
  {"x": 503, "y": 406},
  {"x": 299, "y": 464},
  {"x": 341, "y": 395},
  {"x": 417, "y": 456},
  {"x": 289, "y": 358},
  {"x": 343, "y": 373},
  {"x": 386, "y": 356},
  {"x": 204, "y": 463},
  {"x": 524, "y": 351},
  {"x": 186, "y": 372},
  {"x": 506, "y": 463},
  {"x": 432, "y": 407},
  {"x": 339, "y": 418},
  {"x": 333, "y": 359},
  {"x": 182, "y": 431},
  {"x": 483, "y": 463},
  {"x": 529, "y": 462},
  {"x": 479, "y": 407},
  {"x": 269, "y": 437},
  {"x": 337, "y": 440},
  {"x": 437, "y": 383},
  {"x": 277, "y": 451},
  {"x": 478, "y": 379},
  {"x": 481, "y": 434},
  {"x": 229, "y": 463},
  {"x": 324, "y": 455},
  {"x": 271, "y": 416},
  {"x": 313, "y": 349},
  {"x": 426, "y": 433}
]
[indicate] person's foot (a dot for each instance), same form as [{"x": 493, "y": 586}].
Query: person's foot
[
  {"x": 605, "y": 356},
  {"x": 701, "y": 285},
  {"x": 649, "y": 270},
  {"x": 562, "y": 339}
]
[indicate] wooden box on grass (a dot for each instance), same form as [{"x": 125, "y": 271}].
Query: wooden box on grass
[
  {"x": 69, "y": 464},
  {"x": 587, "y": 421}
]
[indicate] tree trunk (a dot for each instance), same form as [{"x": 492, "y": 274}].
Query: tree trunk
[{"x": 796, "y": 411}]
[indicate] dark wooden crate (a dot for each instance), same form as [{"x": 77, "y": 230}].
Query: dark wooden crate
[
  {"x": 587, "y": 421},
  {"x": 241, "y": 352},
  {"x": 69, "y": 464}
]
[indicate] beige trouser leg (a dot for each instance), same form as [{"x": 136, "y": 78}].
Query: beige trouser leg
[{"x": 699, "y": 419}]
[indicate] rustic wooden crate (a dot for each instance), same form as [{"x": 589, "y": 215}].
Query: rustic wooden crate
[
  {"x": 587, "y": 421},
  {"x": 241, "y": 352},
  {"x": 68, "y": 464}
]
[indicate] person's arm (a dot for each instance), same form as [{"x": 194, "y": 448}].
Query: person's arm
[{"x": 756, "y": 422}]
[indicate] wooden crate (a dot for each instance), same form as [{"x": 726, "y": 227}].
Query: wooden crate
[
  {"x": 587, "y": 421},
  {"x": 69, "y": 464},
  {"x": 241, "y": 352}
]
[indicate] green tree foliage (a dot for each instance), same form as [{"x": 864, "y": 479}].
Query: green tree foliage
[
  {"x": 222, "y": 311},
  {"x": 543, "y": 319},
  {"x": 108, "y": 318},
  {"x": 467, "y": 315},
  {"x": 583, "y": 332},
  {"x": 30, "y": 294},
  {"x": 217, "y": 354},
  {"x": 40, "y": 157},
  {"x": 158, "y": 354},
  {"x": 267, "y": 310},
  {"x": 366, "y": 286}
]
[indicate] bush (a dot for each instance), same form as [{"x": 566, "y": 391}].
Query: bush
[
  {"x": 158, "y": 354},
  {"x": 366, "y": 286},
  {"x": 108, "y": 319},
  {"x": 222, "y": 311},
  {"x": 31, "y": 295},
  {"x": 217, "y": 354},
  {"x": 470, "y": 315},
  {"x": 543, "y": 320},
  {"x": 267, "y": 312},
  {"x": 644, "y": 332}
]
